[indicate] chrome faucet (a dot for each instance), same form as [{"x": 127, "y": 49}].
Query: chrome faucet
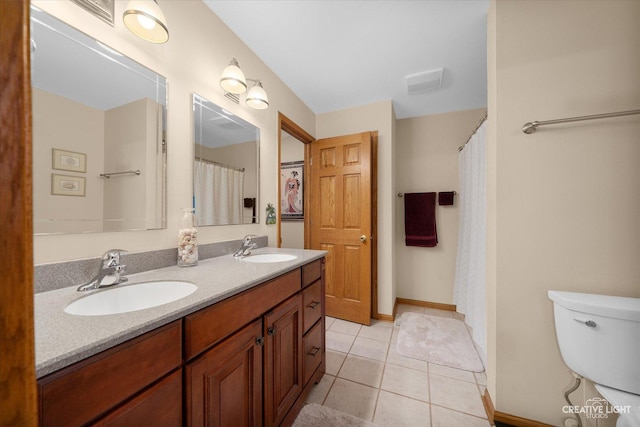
[
  {"x": 110, "y": 273},
  {"x": 245, "y": 248}
]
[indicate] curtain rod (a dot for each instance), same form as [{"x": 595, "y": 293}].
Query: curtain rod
[
  {"x": 484, "y": 119},
  {"x": 531, "y": 127},
  {"x": 220, "y": 164}
]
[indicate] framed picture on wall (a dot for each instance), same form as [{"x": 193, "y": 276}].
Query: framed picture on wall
[
  {"x": 69, "y": 161},
  {"x": 64, "y": 185},
  {"x": 292, "y": 191}
]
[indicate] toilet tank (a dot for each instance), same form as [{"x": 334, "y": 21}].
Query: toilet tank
[{"x": 599, "y": 337}]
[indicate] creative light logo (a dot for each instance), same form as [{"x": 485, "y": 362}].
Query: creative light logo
[{"x": 596, "y": 407}]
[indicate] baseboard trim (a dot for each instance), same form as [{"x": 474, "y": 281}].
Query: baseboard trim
[
  {"x": 488, "y": 406},
  {"x": 427, "y": 304},
  {"x": 386, "y": 317},
  {"x": 515, "y": 421}
]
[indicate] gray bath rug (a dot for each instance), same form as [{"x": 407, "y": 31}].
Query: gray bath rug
[
  {"x": 439, "y": 340},
  {"x": 314, "y": 415}
]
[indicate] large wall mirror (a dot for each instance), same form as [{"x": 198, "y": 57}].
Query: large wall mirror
[
  {"x": 99, "y": 148},
  {"x": 225, "y": 172}
]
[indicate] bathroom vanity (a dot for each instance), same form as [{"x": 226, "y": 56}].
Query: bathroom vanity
[{"x": 244, "y": 354}]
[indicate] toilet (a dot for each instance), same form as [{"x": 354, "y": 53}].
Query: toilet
[{"x": 599, "y": 339}]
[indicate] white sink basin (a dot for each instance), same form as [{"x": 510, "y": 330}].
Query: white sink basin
[
  {"x": 123, "y": 299},
  {"x": 262, "y": 258}
]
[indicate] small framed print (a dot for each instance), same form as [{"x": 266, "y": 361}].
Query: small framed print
[
  {"x": 292, "y": 191},
  {"x": 69, "y": 161},
  {"x": 64, "y": 185}
]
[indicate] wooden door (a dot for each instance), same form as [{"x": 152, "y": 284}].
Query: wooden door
[
  {"x": 341, "y": 212},
  {"x": 18, "y": 398},
  {"x": 224, "y": 385},
  {"x": 283, "y": 359}
]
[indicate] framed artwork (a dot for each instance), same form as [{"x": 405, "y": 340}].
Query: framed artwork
[
  {"x": 64, "y": 185},
  {"x": 69, "y": 161},
  {"x": 292, "y": 191}
]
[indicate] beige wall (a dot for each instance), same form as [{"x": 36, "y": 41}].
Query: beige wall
[
  {"x": 564, "y": 202},
  {"x": 374, "y": 117},
  {"x": 70, "y": 126},
  {"x": 427, "y": 160},
  {"x": 199, "y": 48}
]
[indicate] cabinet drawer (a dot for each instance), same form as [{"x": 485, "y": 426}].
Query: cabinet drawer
[
  {"x": 311, "y": 272},
  {"x": 312, "y": 301},
  {"x": 313, "y": 351},
  {"x": 160, "y": 406},
  {"x": 82, "y": 392},
  {"x": 210, "y": 325}
]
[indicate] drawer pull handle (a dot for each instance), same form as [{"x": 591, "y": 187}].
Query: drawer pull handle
[
  {"x": 271, "y": 331},
  {"x": 314, "y": 351},
  {"x": 313, "y": 305}
]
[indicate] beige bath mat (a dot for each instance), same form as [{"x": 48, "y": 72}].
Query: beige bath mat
[
  {"x": 439, "y": 340},
  {"x": 314, "y": 415}
]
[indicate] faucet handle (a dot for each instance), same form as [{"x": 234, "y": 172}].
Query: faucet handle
[{"x": 112, "y": 257}]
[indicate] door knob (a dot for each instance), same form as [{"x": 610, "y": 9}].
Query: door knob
[{"x": 363, "y": 238}]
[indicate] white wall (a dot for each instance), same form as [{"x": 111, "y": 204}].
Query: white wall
[
  {"x": 378, "y": 116},
  {"x": 427, "y": 160},
  {"x": 565, "y": 201},
  {"x": 199, "y": 48}
]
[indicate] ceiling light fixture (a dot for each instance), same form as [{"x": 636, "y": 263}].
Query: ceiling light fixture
[
  {"x": 233, "y": 81},
  {"x": 145, "y": 19}
]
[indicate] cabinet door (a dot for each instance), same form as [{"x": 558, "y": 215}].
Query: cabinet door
[
  {"x": 224, "y": 385},
  {"x": 283, "y": 359}
]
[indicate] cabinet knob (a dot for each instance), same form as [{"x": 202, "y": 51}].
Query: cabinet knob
[
  {"x": 363, "y": 238},
  {"x": 260, "y": 341},
  {"x": 313, "y": 305},
  {"x": 271, "y": 331}
]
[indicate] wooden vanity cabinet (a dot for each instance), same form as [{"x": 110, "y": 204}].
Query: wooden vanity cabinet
[
  {"x": 224, "y": 386},
  {"x": 283, "y": 359},
  {"x": 249, "y": 360},
  {"x": 113, "y": 380}
]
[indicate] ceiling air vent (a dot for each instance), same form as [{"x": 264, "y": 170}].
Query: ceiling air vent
[
  {"x": 424, "y": 81},
  {"x": 233, "y": 97}
]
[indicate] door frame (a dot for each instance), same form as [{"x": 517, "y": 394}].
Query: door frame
[
  {"x": 289, "y": 126},
  {"x": 17, "y": 361}
]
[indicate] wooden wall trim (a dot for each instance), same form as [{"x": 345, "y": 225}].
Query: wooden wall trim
[
  {"x": 17, "y": 360},
  {"x": 427, "y": 304},
  {"x": 488, "y": 406},
  {"x": 516, "y": 421},
  {"x": 287, "y": 125}
]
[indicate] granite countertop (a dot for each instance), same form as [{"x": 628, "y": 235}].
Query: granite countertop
[{"x": 62, "y": 339}]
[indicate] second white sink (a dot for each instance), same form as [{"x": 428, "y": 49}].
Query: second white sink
[
  {"x": 262, "y": 258},
  {"x": 124, "y": 299}
]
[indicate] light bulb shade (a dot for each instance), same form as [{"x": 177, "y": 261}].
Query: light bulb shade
[
  {"x": 257, "y": 97},
  {"x": 145, "y": 19},
  {"x": 232, "y": 79}
]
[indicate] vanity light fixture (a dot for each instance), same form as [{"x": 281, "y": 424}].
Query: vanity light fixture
[
  {"x": 257, "y": 97},
  {"x": 233, "y": 81},
  {"x": 145, "y": 19}
]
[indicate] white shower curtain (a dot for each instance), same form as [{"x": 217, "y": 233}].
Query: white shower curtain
[
  {"x": 469, "y": 289},
  {"x": 218, "y": 194}
]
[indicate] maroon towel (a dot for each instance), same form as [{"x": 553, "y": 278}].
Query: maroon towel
[
  {"x": 420, "y": 219},
  {"x": 445, "y": 198}
]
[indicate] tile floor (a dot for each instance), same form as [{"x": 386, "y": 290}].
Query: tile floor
[{"x": 366, "y": 377}]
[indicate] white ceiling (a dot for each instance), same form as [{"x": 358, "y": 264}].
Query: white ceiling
[{"x": 342, "y": 54}]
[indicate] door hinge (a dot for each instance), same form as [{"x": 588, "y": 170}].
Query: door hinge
[{"x": 260, "y": 341}]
